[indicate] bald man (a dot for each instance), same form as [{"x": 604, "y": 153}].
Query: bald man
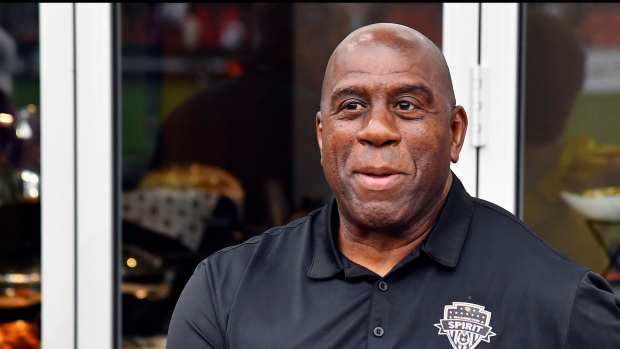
[{"x": 402, "y": 257}]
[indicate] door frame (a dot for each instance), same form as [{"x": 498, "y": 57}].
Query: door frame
[
  {"x": 460, "y": 47},
  {"x": 80, "y": 247},
  {"x": 498, "y": 179},
  {"x": 58, "y": 174}
]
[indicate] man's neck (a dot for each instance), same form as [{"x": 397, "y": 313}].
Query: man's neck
[{"x": 379, "y": 252}]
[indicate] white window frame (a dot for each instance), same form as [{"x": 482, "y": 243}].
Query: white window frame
[
  {"x": 96, "y": 250},
  {"x": 460, "y": 47},
  {"x": 499, "y": 50},
  {"x": 79, "y": 245},
  {"x": 58, "y": 260}
]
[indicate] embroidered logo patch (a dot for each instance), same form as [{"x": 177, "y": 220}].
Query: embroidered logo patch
[{"x": 465, "y": 325}]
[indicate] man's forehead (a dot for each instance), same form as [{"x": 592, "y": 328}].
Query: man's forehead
[
  {"x": 376, "y": 65},
  {"x": 388, "y": 50},
  {"x": 379, "y": 59},
  {"x": 381, "y": 49}
]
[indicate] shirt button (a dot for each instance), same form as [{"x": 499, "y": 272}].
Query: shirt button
[
  {"x": 378, "y": 331},
  {"x": 382, "y": 285}
]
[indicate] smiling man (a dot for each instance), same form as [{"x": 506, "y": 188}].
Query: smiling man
[
  {"x": 402, "y": 257},
  {"x": 388, "y": 129}
]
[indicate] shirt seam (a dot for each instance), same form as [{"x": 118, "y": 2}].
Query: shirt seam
[
  {"x": 273, "y": 232},
  {"x": 572, "y": 308},
  {"x": 207, "y": 270},
  {"x": 232, "y": 304},
  {"x": 496, "y": 209}
]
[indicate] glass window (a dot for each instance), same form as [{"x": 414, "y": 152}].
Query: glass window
[
  {"x": 218, "y": 131},
  {"x": 571, "y": 130},
  {"x": 20, "y": 213}
]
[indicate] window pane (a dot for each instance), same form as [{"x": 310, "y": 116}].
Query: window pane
[
  {"x": 219, "y": 143},
  {"x": 20, "y": 214},
  {"x": 571, "y": 146}
]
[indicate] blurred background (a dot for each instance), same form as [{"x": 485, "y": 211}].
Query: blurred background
[{"x": 217, "y": 138}]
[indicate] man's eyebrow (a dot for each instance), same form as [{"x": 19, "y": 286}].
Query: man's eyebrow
[
  {"x": 416, "y": 89},
  {"x": 347, "y": 91}
]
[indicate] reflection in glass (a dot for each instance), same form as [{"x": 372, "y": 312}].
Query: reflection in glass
[
  {"x": 571, "y": 149},
  {"x": 219, "y": 143},
  {"x": 20, "y": 214}
]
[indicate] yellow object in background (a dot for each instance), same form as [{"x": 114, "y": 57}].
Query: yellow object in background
[
  {"x": 209, "y": 178},
  {"x": 579, "y": 162},
  {"x": 601, "y": 192}
]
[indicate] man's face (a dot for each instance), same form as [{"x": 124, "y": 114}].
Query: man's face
[{"x": 386, "y": 134}]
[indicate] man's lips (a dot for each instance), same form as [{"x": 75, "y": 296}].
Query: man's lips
[{"x": 377, "y": 179}]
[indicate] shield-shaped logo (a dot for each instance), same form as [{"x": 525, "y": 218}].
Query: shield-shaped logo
[{"x": 465, "y": 325}]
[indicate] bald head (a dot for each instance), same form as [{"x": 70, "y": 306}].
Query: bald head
[{"x": 415, "y": 49}]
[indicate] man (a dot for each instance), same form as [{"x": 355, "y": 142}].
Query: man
[{"x": 403, "y": 257}]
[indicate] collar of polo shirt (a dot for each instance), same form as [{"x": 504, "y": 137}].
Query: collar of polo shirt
[{"x": 443, "y": 244}]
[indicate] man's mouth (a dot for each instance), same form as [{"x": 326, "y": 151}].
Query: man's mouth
[{"x": 378, "y": 178}]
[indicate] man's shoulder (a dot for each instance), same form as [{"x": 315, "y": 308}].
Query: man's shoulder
[
  {"x": 271, "y": 244},
  {"x": 498, "y": 230},
  {"x": 505, "y": 250}
]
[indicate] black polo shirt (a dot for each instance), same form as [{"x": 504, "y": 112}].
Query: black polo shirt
[{"x": 480, "y": 280}]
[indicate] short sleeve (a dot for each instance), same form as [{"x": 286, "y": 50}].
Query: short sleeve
[
  {"x": 595, "y": 317},
  {"x": 194, "y": 322}
]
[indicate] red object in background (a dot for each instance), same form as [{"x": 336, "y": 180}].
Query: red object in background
[
  {"x": 601, "y": 27},
  {"x": 423, "y": 18},
  {"x": 613, "y": 276},
  {"x": 228, "y": 15},
  {"x": 208, "y": 32},
  {"x": 171, "y": 39},
  {"x": 233, "y": 69}
]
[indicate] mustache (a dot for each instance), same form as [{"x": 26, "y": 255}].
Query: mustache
[
  {"x": 380, "y": 162},
  {"x": 380, "y": 157}
]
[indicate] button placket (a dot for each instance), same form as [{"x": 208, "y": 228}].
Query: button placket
[{"x": 379, "y": 315}]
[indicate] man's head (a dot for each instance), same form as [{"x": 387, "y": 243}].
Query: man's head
[{"x": 388, "y": 126}]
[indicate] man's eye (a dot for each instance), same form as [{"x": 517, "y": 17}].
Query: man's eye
[
  {"x": 405, "y": 106},
  {"x": 353, "y": 106}
]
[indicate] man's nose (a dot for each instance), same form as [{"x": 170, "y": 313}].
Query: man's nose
[{"x": 379, "y": 129}]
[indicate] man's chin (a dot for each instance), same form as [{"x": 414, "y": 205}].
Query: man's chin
[{"x": 380, "y": 215}]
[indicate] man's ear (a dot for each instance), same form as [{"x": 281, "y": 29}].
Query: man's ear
[
  {"x": 458, "y": 128},
  {"x": 319, "y": 133}
]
